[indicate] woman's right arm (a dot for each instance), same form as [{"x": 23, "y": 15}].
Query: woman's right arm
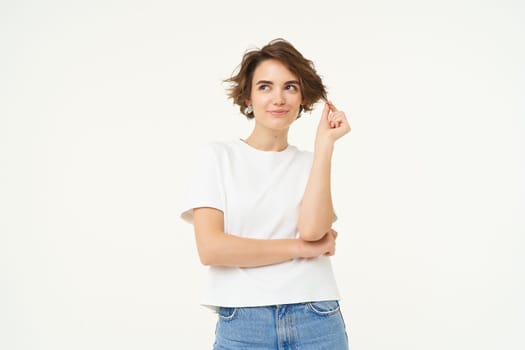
[{"x": 218, "y": 248}]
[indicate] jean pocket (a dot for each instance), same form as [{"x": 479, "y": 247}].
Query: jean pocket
[
  {"x": 324, "y": 308},
  {"x": 227, "y": 313}
]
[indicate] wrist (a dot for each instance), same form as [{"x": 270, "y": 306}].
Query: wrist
[
  {"x": 298, "y": 249},
  {"x": 324, "y": 146}
]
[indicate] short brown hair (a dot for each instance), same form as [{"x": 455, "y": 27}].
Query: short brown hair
[{"x": 311, "y": 85}]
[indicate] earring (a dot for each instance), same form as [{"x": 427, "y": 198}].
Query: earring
[{"x": 248, "y": 110}]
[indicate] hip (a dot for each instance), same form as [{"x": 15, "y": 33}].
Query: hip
[{"x": 311, "y": 325}]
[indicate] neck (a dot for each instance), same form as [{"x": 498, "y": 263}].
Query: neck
[{"x": 268, "y": 140}]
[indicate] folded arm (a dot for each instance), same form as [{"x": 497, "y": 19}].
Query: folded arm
[{"x": 218, "y": 248}]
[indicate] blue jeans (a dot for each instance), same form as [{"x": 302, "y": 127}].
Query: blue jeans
[{"x": 304, "y": 326}]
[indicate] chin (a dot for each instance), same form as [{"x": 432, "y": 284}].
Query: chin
[{"x": 279, "y": 125}]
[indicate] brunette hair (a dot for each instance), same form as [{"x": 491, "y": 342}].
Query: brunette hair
[{"x": 311, "y": 85}]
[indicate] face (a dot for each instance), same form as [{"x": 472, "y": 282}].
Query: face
[{"x": 275, "y": 96}]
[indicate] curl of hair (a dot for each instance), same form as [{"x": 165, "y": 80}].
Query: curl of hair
[{"x": 311, "y": 85}]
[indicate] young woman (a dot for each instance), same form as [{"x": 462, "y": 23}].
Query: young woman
[{"x": 262, "y": 213}]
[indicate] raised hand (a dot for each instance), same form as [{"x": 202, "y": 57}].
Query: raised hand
[{"x": 332, "y": 126}]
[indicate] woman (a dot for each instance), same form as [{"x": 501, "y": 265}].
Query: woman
[{"x": 262, "y": 213}]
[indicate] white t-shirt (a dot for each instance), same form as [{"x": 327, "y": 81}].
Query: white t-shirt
[{"x": 259, "y": 193}]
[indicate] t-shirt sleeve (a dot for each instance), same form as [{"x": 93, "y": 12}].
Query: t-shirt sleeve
[{"x": 204, "y": 188}]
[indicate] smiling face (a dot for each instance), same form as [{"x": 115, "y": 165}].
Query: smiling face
[{"x": 275, "y": 95}]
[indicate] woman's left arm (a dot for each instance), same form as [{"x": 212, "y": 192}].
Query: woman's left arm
[{"x": 316, "y": 212}]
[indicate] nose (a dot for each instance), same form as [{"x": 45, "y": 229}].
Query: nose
[{"x": 278, "y": 99}]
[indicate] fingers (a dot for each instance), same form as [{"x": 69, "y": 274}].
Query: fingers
[
  {"x": 332, "y": 232},
  {"x": 330, "y": 252},
  {"x": 338, "y": 119},
  {"x": 332, "y": 107},
  {"x": 331, "y": 249},
  {"x": 325, "y": 246},
  {"x": 335, "y": 120},
  {"x": 335, "y": 117}
]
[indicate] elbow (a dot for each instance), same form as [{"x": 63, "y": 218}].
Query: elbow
[
  {"x": 310, "y": 235},
  {"x": 206, "y": 257},
  {"x": 314, "y": 230},
  {"x": 208, "y": 247},
  {"x": 205, "y": 261},
  {"x": 211, "y": 254}
]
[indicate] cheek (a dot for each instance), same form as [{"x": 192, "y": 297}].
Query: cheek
[
  {"x": 296, "y": 99},
  {"x": 261, "y": 100}
]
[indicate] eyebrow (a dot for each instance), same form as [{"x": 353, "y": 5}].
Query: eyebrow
[{"x": 271, "y": 83}]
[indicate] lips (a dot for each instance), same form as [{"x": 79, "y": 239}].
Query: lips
[{"x": 278, "y": 112}]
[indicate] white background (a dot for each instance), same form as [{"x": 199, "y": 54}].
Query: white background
[{"x": 103, "y": 103}]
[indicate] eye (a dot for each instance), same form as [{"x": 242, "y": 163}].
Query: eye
[
  {"x": 264, "y": 87},
  {"x": 292, "y": 87}
]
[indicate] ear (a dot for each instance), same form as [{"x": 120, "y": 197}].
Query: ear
[{"x": 248, "y": 102}]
